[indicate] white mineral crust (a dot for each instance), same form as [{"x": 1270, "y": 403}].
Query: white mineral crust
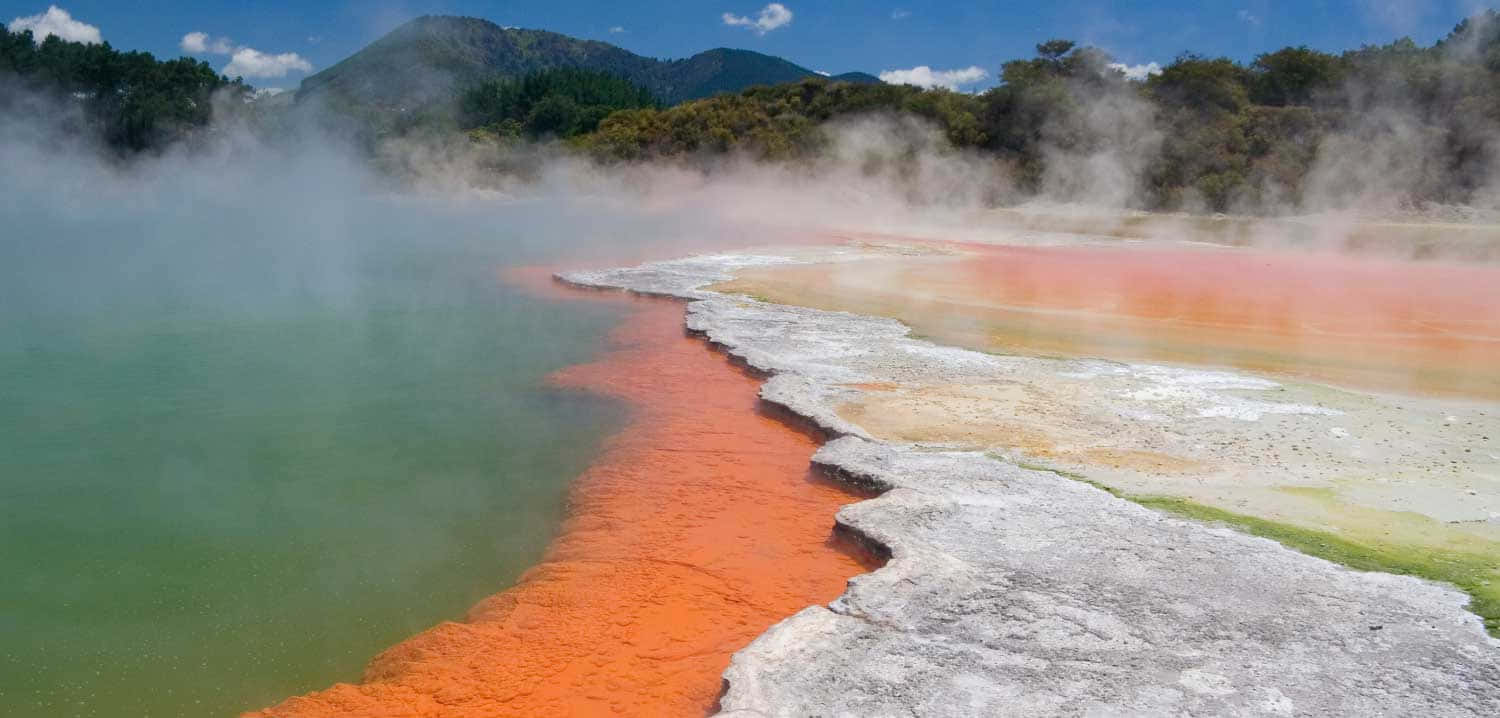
[{"x": 1013, "y": 591}]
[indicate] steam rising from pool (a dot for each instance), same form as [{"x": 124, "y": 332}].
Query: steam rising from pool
[{"x": 271, "y": 296}]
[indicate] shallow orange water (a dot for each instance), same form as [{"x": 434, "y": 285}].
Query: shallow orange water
[
  {"x": 1371, "y": 322},
  {"x": 697, "y": 528}
]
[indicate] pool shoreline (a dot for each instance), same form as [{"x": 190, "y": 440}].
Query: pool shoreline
[
  {"x": 1014, "y": 588},
  {"x": 651, "y": 583}
]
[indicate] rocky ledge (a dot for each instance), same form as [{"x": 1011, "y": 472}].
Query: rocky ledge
[{"x": 1018, "y": 591}]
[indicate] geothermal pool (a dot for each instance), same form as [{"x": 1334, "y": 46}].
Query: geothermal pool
[
  {"x": 698, "y": 527},
  {"x": 241, "y": 455},
  {"x": 1366, "y": 321},
  {"x": 239, "y": 465},
  {"x": 1349, "y": 396}
]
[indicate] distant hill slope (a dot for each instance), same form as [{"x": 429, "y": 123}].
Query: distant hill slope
[{"x": 432, "y": 59}]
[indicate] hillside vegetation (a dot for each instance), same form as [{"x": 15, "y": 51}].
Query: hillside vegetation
[
  {"x": 1292, "y": 130},
  {"x": 553, "y": 103},
  {"x": 1293, "y": 127},
  {"x": 779, "y": 122}
]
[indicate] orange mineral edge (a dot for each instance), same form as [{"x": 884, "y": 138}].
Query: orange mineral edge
[
  {"x": 697, "y": 528},
  {"x": 1390, "y": 325}
]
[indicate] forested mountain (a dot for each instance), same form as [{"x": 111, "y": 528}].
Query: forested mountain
[
  {"x": 562, "y": 102},
  {"x": 724, "y": 70},
  {"x": 130, "y": 100},
  {"x": 432, "y": 60}
]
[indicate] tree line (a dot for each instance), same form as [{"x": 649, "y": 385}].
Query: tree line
[
  {"x": 1203, "y": 133},
  {"x": 129, "y": 100}
]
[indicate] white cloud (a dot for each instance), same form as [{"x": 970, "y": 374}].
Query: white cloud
[
  {"x": 899, "y": 14},
  {"x": 249, "y": 62},
  {"x": 924, "y": 76},
  {"x": 616, "y": 30},
  {"x": 769, "y": 18},
  {"x": 244, "y": 61},
  {"x": 199, "y": 43},
  {"x": 57, "y": 21},
  {"x": 824, "y": 73},
  {"x": 1246, "y": 16},
  {"x": 194, "y": 42},
  {"x": 1137, "y": 72}
]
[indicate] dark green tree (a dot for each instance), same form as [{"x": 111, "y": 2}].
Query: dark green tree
[
  {"x": 1294, "y": 76},
  {"x": 130, "y": 100},
  {"x": 1042, "y": 104},
  {"x": 1202, "y": 84}
]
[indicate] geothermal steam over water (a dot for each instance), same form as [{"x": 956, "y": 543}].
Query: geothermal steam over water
[
  {"x": 659, "y": 572},
  {"x": 496, "y": 372},
  {"x": 245, "y": 450}
]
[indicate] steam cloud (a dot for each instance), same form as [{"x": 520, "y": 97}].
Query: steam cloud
[
  {"x": 883, "y": 173},
  {"x": 1139, "y": 72}
]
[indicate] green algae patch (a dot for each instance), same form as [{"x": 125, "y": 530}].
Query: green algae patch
[
  {"x": 1475, "y": 574},
  {"x": 1065, "y": 474}
]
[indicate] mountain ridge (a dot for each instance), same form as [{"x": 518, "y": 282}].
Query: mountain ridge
[{"x": 431, "y": 60}]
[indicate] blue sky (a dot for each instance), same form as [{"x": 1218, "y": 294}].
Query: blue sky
[{"x": 831, "y": 35}]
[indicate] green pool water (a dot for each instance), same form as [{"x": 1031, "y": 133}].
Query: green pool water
[{"x": 244, "y": 449}]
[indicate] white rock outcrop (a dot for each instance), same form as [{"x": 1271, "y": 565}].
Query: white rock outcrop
[{"x": 1012, "y": 591}]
